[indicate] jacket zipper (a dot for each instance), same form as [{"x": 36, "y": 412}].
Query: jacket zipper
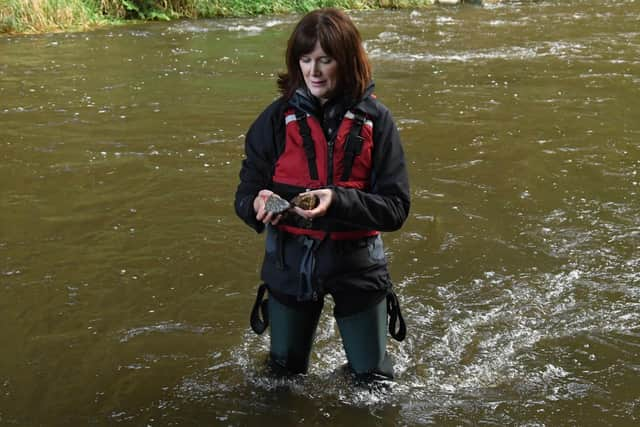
[{"x": 330, "y": 145}]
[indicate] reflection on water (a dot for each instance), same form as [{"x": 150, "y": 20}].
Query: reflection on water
[{"x": 126, "y": 280}]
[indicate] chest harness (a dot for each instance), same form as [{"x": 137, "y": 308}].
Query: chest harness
[{"x": 310, "y": 161}]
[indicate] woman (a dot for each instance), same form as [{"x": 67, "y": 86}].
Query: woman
[{"x": 327, "y": 135}]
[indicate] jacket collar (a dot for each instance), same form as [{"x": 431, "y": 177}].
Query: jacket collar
[{"x": 303, "y": 100}]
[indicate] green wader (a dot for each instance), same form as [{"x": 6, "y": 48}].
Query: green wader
[
  {"x": 364, "y": 337},
  {"x": 292, "y": 333}
]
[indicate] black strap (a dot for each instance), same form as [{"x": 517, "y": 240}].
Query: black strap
[
  {"x": 280, "y": 249},
  {"x": 353, "y": 146},
  {"x": 307, "y": 143},
  {"x": 393, "y": 308},
  {"x": 260, "y": 307}
]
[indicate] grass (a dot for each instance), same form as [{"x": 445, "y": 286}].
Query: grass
[
  {"x": 29, "y": 16},
  {"x": 47, "y": 15},
  {"x": 213, "y": 8}
]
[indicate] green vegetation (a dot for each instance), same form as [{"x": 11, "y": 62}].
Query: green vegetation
[
  {"x": 47, "y": 15},
  {"x": 64, "y": 15}
]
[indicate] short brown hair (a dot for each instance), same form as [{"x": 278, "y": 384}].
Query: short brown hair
[{"x": 340, "y": 39}]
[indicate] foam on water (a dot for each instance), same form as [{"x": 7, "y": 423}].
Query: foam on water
[{"x": 163, "y": 327}]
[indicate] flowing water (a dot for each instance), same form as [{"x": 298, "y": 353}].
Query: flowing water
[{"x": 126, "y": 280}]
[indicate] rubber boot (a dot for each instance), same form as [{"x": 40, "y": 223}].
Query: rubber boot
[
  {"x": 364, "y": 337},
  {"x": 292, "y": 333}
]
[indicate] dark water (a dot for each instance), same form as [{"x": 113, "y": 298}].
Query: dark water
[{"x": 126, "y": 280}]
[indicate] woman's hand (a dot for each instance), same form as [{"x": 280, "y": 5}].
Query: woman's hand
[
  {"x": 325, "y": 197},
  {"x": 261, "y": 214}
]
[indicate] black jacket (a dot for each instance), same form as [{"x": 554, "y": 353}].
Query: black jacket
[{"x": 385, "y": 207}]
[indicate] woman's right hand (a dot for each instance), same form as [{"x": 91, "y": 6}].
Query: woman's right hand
[{"x": 259, "y": 207}]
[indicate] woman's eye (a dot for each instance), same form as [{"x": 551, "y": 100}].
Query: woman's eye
[
  {"x": 326, "y": 60},
  {"x": 305, "y": 59}
]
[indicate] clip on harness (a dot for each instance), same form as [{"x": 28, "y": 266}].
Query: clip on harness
[
  {"x": 393, "y": 308},
  {"x": 260, "y": 307}
]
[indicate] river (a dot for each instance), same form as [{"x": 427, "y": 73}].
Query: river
[{"x": 126, "y": 280}]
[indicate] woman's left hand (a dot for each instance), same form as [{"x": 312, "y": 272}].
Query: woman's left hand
[{"x": 325, "y": 198}]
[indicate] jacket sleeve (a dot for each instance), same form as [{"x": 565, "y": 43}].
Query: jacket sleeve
[
  {"x": 386, "y": 206},
  {"x": 257, "y": 167}
]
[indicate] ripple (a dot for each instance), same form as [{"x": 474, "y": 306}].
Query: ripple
[
  {"x": 161, "y": 328},
  {"x": 511, "y": 53}
]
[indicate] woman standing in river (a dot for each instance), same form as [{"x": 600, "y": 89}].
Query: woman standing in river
[{"x": 328, "y": 137}]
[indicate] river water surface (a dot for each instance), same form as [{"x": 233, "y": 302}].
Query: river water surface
[{"x": 126, "y": 280}]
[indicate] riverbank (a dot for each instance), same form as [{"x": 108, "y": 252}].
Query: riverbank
[{"x": 37, "y": 16}]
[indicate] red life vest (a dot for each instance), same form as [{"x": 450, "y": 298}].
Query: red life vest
[{"x": 309, "y": 161}]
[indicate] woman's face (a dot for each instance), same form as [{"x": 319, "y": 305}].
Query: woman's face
[{"x": 320, "y": 73}]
